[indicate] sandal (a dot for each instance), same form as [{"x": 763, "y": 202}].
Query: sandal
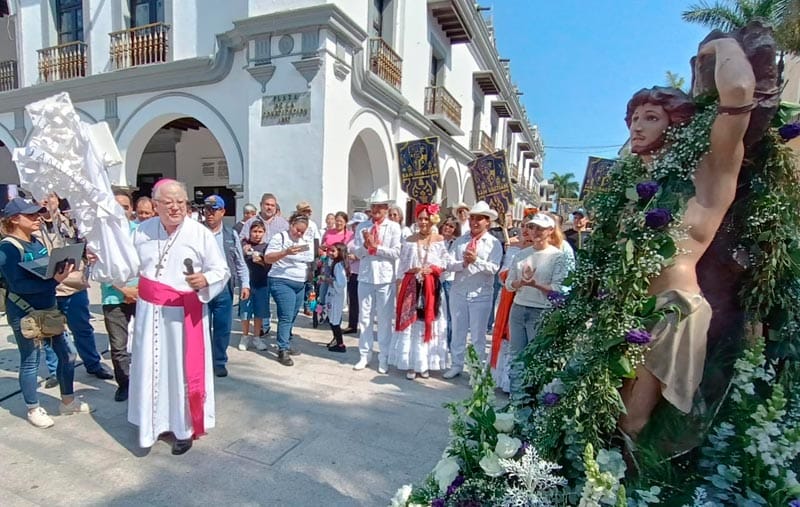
[{"x": 411, "y": 375}]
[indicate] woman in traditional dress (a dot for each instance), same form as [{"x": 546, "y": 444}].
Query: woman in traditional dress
[{"x": 419, "y": 344}]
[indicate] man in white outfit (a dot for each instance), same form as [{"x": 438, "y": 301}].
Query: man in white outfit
[
  {"x": 477, "y": 256},
  {"x": 377, "y": 245},
  {"x": 181, "y": 269}
]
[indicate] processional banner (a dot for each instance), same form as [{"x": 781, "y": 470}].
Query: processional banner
[
  {"x": 419, "y": 168},
  {"x": 491, "y": 181},
  {"x": 596, "y": 171}
]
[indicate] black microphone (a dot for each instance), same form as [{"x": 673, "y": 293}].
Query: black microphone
[{"x": 189, "y": 266}]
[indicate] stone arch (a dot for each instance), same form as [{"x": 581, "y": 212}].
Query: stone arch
[
  {"x": 137, "y": 130},
  {"x": 468, "y": 191},
  {"x": 370, "y": 158},
  {"x": 451, "y": 187}
]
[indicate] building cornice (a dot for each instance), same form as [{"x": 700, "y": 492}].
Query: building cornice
[
  {"x": 145, "y": 79},
  {"x": 326, "y": 16}
]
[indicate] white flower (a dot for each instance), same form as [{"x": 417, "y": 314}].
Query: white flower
[
  {"x": 504, "y": 422},
  {"x": 401, "y": 497},
  {"x": 507, "y": 446},
  {"x": 491, "y": 465},
  {"x": 445, "y": 472}
]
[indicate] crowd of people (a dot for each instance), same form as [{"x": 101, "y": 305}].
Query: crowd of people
[{"x": 421, "y": 291}]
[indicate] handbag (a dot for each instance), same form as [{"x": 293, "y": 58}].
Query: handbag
[{"x": 38, "y": 324}]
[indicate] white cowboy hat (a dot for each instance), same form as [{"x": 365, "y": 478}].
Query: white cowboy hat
[
  {"x": 461, "y": 205},
  {"x": 483, "y": 209},
  {"x": 379, "y": 197}
]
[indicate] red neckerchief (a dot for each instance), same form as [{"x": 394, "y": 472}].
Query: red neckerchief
[
  {"x": 473, "y": 242},
  {"x": 375, "y": 238}
]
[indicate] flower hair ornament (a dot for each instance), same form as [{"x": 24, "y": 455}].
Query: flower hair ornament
[{"x": 432, "y": 209}]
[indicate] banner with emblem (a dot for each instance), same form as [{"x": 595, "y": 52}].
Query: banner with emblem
[
  {"x": 491, "y": 180},
  {"x": 419, "y": 168},
  {"x": 596, "y": 171}
]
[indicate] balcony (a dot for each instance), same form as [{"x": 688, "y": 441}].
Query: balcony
[
  {"x": 538, "y": 173},
  {"x": 443, "y": 109},
  {"x": 482, "y": 143},
  {"x": 8, "y": 76},
  {"x": 65, "y": 61},
  {"x": 385, "y": 63},
  {"x": 513, "y": 172},
  {"x": 140, "y": 45}
]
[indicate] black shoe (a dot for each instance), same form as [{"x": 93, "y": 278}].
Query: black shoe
[
  {"x": 181, "y": 446},
  {"x": 220, "y": 371},
  {"x": 337, "y": 348},
  {"x": 284, "y": 359},
  {"x": 50, "y": 382},
  {"x": 294, "y": 352},
  {"x": 350, "y": 330},
  {"x": 102, "y": 373},
  {"x": 121, "y": 394},
  {"x": 331, "y": 343}
]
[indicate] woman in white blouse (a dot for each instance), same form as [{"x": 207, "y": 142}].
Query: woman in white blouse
[
  {"x": 289, "y": 253},
  {"x": 535, "y": 272},
  {"x": 419, "y": 343}
]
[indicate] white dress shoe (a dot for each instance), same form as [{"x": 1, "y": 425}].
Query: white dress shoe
[
  {"x": 452, "y": 373},
  {"x": 383, "y": 366},
  {"x": 362, "y": 363}
]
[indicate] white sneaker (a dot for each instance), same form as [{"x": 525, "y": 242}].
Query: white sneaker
[
  {"x": 452, "y": 372},
  {"x": 243, "y": 343},
  {"x": 362, "y": 363},
  {"x": 411, "y": 375},
  {"x": 39, "y": 418},
  {"x": 259, "y": 343},
  {"x": 383, "y": 366},
  {"x": 76, "y": 407}
]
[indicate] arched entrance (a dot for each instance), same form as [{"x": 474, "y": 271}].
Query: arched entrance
[
  {"x": 450, "y": 188},
  {"x": 185, "y": 149},
  {"x": 468, "y": 195},
  {"x": 368, "y": 168}
]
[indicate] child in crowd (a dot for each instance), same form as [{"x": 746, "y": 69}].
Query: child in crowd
[
  {"x": 337, "y": 291},
  {"x": 256, "y": 306}
]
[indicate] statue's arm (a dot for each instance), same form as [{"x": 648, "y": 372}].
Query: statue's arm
[{"x": 735, "y": 83}]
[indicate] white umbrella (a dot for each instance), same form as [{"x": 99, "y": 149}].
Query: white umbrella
[{"x": 62, "y": 157}]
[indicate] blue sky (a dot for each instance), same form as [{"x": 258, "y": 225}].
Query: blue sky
[{"x": 579, "y": 61}]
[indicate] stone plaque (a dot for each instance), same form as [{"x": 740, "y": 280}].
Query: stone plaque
[{"x": 286, "y": 109}]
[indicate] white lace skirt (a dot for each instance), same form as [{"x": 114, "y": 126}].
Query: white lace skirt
[{"x": 410, "y": 352}]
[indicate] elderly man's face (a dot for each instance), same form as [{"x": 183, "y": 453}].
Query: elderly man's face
[
  {"x": 171, "y": 206},
  {"x": 144, "y": 210},
  {"x": 463, "y": 214}
]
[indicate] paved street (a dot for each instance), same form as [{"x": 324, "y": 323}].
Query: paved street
[{"x": 317, "y": 433}]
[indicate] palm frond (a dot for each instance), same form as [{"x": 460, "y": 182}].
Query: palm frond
[{"x": 718, "y": 16}]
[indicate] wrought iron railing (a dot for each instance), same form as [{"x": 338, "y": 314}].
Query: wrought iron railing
[
  {"x": 140, "y": 45},
  {"x": 65, "y": 61},
  {"x": 439, "y": 101},
  {"x": 385, "y": 63},
  {"x": 482, "y": 142},
  {"x": 8, "y": 76}
]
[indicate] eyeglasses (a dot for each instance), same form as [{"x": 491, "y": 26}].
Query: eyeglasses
[
  {"x": 209, "y": 209},
  {"x": 170, "y": 204}
]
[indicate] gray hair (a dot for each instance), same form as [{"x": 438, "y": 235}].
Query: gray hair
[
  {"x": 171, "y": 184},
  {"x": 250, "y": 207}
]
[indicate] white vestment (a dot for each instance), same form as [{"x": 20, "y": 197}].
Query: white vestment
[{"x": 158, "y": 401}]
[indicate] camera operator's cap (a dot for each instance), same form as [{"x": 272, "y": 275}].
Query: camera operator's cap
[
  {"x": 580, "y": 211},
  {"x": 303, "y": 206},
  {"x": 357, "y": 218},
  {"x": 214, "y": 202},
  {"x": 542, "y": 220},
  {"x": 19, "y": 206}
]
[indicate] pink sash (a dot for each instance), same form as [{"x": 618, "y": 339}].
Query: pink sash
[{"x": 163, "y": 295}]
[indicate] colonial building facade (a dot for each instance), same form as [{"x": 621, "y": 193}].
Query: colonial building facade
[{"x": 303, "y": 98}]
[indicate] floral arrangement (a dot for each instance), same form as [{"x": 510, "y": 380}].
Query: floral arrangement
[{"x": 557, "y": 444}]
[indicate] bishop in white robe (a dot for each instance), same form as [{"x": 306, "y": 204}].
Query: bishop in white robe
[{"x": 171, "y": 386}]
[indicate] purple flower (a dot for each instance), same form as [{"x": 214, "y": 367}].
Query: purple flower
[
  {"x": 457, "y": 482},
  {"x": 603, "y": 294},
  {"x": 557, "y": 299},
  {"x": 657, "y": 218},
  {"x": 796, "y": 501},
  {"x": 437, "y": 502},
  {"x": 550, "y": 399},
  {"x": 638, "y": 336},
  {"x": 647, "y": 190},
  {"x": 787, "y": 133}
]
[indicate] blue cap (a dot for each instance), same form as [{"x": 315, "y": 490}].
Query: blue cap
[
  {"x": 214, "y": 202},
  {"x": 19, "y": 206},
  {"x": 579, "y": 211}
]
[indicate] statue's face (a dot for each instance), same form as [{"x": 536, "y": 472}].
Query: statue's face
[{"x": 648, "y": 125}]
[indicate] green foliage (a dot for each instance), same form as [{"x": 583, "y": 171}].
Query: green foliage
[{"x": 564, "y": 185}]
